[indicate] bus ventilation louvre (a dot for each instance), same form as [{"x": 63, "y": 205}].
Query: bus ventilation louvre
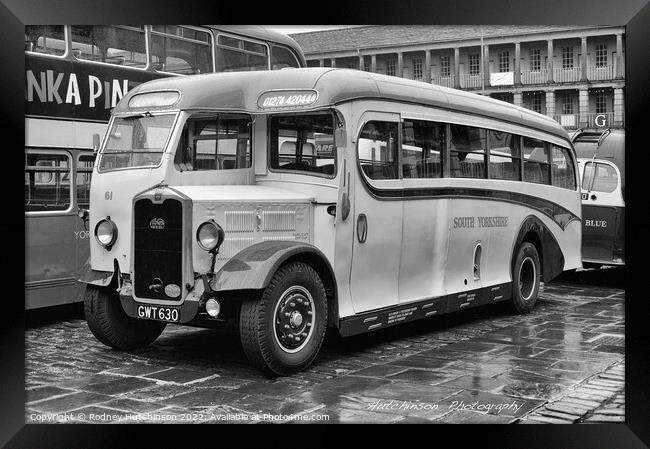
[{"x": 158, "y": 251}]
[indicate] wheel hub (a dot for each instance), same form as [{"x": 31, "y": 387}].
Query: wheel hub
[{"x": 294, "y": 319}]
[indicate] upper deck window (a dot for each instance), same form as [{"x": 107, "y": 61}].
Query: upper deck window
[
  {"x": 303, "y": 143},
  {"x": 234, "y": 55},
  {"x": 282, "y": 57},
  {"x": 221, "y": 142},
  {"x": 46, "y": 39},
  {"x": 110, "y": 44},
  {"x": 182, "y": 50},
  {"x": 136, "y": 141}
]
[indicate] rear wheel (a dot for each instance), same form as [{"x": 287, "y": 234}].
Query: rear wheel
[
  {"x": 526, "y": 274},
  {"x": 282, "y": 331},
  {"x": 112, "y": 326}
]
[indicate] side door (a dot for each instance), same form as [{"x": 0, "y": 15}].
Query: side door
[
  {"x": 377, "y": 211},
  {"x": 602, "y": 211}
]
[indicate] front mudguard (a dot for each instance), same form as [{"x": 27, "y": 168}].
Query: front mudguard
[
  {"x": 253, "y": 267},
  {"x": 99, "y": 278}
]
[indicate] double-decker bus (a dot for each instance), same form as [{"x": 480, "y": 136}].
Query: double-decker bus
[
  {"x": 601, "y": 160},
  {"x": 290, "y": 201},
  {"x": 75, "y": 74}
]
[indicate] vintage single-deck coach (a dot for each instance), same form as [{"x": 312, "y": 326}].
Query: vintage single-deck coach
[{"x": 294, "y": 200}]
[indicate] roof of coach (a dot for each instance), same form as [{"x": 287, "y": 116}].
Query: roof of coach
[{"x": 241, "y": 91}]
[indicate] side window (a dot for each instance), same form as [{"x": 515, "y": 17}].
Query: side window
[
  {"x": 214, "y": 143},
  {"x": 282, "y": 57},
  {"x": 182, "y": 50},
  {"x": 84, "y": 172},
  {"x": 377, "y": 150},
  {"x": 562, "y": 171},
  {"x": 235, "y": 55},
  {"x": 536, "y": 161},
  {"x": 604, "y": 176},
  {"x": 47, "y": 182},
  {"x": 467, "y": 152},
  {"x": 303, "y": 143},
  {"x": 423, "y": 145},
  {"x": 46, "y": 39},
  {"x": 505, "y": 156},
  {"x": 110, "y": 44}
]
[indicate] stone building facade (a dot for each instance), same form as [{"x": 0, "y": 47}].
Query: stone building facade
[{"x": 575, "y": 74}]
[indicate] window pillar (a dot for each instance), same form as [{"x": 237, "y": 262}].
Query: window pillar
[
  {"x": 486, "y": 64},
  {"x": 517, "y": 98},
  {"x": 619, "y": 56},
  {"x": 373, "y": 63},
  {"x": 427, "y": 66},
  {"x": 549, "y": 61},
  {"x": 583, "y": 107},
  {"x": 321, "y": 63},
  {"x": 362, "y": 64},
  {"x": 619, "y": 107},
  {"x": 333, "y": 60},
  {"x": 517, "y": 64},
  {"x": 550, "y": 103},
  {"x": 583, "y": 50},
  {"x": 457, "y": 68},
  {"x": 400, "y": 65}
]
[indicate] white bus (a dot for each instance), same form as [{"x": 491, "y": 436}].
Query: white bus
[
  {"x": 74, "y": 75},
  {"x": 418, "y": 201}
]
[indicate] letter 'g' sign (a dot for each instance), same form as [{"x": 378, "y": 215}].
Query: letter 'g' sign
[
  {"x": 287, "y": 99},
  {"x": 600, "y": 120}
]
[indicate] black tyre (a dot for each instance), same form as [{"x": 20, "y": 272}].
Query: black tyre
[
  {"x": 526, "y": 274},
  {"x": 110, "y": 325},
  {"x": 283, "y": 329}
]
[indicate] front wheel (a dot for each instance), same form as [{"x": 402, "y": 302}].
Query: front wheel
[
  {"x": 112, "y": 326},
  {"x": 282, "y": 331},
  {"x": 526, "y": 274}
]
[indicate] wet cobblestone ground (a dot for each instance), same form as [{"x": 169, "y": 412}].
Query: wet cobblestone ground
[{"x": 563, "y": 363}]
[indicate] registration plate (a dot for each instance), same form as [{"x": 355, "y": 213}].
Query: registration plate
[{"x": 168, "y": 314}]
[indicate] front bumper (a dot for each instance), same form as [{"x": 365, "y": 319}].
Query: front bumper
[{"x": 188, "y": 310}]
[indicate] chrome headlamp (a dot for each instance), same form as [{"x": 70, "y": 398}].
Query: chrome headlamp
[
  {"x": 210, "y": 236},
  {"x": 106, "y": 232}
]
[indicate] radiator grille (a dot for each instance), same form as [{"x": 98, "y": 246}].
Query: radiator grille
[{"x": 158, "y": 247}]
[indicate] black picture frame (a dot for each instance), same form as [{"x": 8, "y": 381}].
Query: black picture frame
[{"x": 634, "y": 14}]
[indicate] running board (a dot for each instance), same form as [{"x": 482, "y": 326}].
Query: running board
[{"x": 404, "y": 313}]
